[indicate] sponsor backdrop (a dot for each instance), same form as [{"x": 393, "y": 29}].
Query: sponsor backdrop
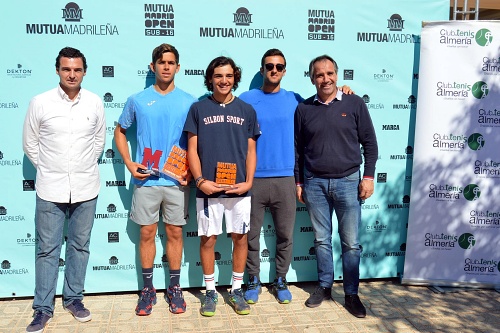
[
  {"x": 454, "y": 218},
  {"x": 376, "y": 45}
]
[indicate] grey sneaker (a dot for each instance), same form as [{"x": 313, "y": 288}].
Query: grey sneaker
[
  {"x": 237, "y": 300},
  {"x": 208, "y": 305},
  {"x": 40, "y": 320},
  {"x": 78, "y": 311}
]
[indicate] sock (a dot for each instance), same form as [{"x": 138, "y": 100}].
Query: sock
[
  {"x": 209, "y": 281},
  {"x": 175, "y": 276},
  {"x": 237, "y": 281},
  {"x": 147, "y": 277}
]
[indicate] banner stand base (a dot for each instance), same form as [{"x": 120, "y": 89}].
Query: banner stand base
[{"x": 446, "y": 290}]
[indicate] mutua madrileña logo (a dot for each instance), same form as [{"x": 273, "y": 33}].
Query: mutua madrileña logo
[
  {"x": 72, "y": 15},
  {"x": 113, "y": 265},
  {"x": 395, "y": 24},
  {"x": 242, "y": 19}
]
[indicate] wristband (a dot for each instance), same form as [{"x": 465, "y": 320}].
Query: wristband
[
  {"x": 367, "y": 178},
  {"x": 299, "y": 184},
  {"x": 198, "y": 179},
  {"x": 201, "y": 182}
]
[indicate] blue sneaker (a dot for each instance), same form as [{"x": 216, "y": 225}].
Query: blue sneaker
[
  {"x": 146, "y": 301},
  {"x": 40, "y": 320},
  {"x": 254, "y": 288},
  {"x": 238, "y": 302},
  {"x": 280, "y": 291},
  {"x": 78, "y": 311},
  {"x": 175, "y": 300},
  {"x": 209, "y": 304}
]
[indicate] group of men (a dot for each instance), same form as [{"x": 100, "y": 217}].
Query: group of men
[{"x": 263, "y": 149}]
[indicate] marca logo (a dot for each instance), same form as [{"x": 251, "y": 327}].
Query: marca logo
[
  {"x": 390, "y": 127},
  {"x": 72, "y": 12},
  {"x": 242, "y": 17}
]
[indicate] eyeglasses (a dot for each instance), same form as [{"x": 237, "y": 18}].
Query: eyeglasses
[{"x": 279, "y": 67}]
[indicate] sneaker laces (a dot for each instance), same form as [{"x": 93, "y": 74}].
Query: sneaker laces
[
  {"x": 176, "y": 292},
  {"x": 210, "y": 297},
  {"x": 37, "y": 318},
  {"x": 78, "y": 305},
  {"x": 253, "y": 283},
  {"x": 145, "y": 294},
  {"x": 281, "y": 284}
]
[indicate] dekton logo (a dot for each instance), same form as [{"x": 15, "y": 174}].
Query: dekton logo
[
  {"x": 268, "y": 231},
  {"x": 472, "y": 192},
  {"x": 376, "y": 227},
  {"x": 29, "y": 240},
  {"x": 466, "y": 241},
  {"x": 383, "y": 76},
  {"x": 19, "y": 72},
  {"x": 484, "y": 37},
  {"x": 476, "y": 141}
]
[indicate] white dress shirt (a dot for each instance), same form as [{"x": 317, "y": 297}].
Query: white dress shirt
[{"x": 63, "y": 139}]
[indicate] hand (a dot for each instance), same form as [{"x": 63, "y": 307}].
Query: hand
[
  {"x": 299, "y": 194},
  {"x": 346, "y": 90},
  {"x": 133, "y": 166},
  {"x": 366, "y": 188},
  {"x": 239, "y": 188},
  {"x": 185, "y": 178},
  {"x": 209, "y": 187}
]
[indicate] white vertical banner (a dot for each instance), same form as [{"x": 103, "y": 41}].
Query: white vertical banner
[{"x": 454, "y": 220}]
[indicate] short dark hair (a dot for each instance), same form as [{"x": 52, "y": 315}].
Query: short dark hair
[
  {"x": 69, "y": 52},
  {"x": 270, "y": 53},
  {"x": 164, "y": 48},
  {"x": 218, "y": 62},
  {"x": 321, "y": 58}
]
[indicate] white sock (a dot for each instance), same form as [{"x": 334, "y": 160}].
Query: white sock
[
  {"x": 237, "y": 281},
  {"x": 209, "y": 281}
]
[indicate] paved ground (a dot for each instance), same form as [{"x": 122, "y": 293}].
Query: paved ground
[{"x": 391, "y": 307}]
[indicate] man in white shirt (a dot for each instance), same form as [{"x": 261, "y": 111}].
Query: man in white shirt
[{"x": 63, "y": 136}]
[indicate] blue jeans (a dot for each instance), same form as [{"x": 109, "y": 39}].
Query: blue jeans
[
  {"x": 323, "y": 196},
  {"x": 49, "y": 222}
]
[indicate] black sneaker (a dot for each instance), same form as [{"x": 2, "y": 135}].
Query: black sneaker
[
  {"x": 317, "y": 297},
  {"x": 354, "y": 306}
]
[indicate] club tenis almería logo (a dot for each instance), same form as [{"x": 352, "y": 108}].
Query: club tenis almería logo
[
  {"x": 472, "y": 192},
  {"x": 476, "y": 141},
  {"x": 466, "y": 241},
  {"x": 480, "y": 90},
  {"x": 484, "y": 37}
]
